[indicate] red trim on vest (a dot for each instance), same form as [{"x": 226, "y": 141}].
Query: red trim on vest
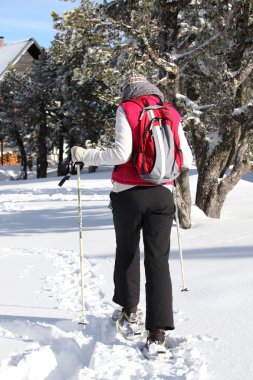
[{"x": 125, "y": 173}]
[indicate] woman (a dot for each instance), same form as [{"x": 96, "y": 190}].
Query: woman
[{"x": 139, "y": 205}]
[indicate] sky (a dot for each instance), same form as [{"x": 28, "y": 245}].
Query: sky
[{"x": 24, "y": 19}]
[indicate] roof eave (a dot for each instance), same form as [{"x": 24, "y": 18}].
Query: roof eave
[{"x": 30, "y": 42}]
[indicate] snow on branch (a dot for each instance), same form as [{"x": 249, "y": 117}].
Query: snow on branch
[
  {"x": 245, "y": 110},
  {"x": 192, "y": 105},
  {"x": 198, "y": 50},
  {"x": 196, "y": 120}
]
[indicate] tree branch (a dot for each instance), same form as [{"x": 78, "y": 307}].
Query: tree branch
[
  {"x": 193, "y": 105},
  {"x": 215, "y": 39},
  {"x": 244, "y": 113},
  {"x": 244, "y": 72},
  {"x": 198, "y": 50},
  {"x": 241, "y": 167},
  {"x": 163, "y": 64}
]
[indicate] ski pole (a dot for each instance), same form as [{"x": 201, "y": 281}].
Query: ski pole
[
  {"x": 80, "y": 218},
  {"x": 184, "y": 288}
]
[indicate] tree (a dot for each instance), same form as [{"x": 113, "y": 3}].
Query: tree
[
  {"x": 203, "y": 53},
  {"x": 41, "y": 105},
  {"x": 80, "y": 52},
  {"x": 218, "y": 111},
  {"x": 12, "y": 122}
]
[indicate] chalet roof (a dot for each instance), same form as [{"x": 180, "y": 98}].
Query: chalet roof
[{"x": 11, "y": 53}]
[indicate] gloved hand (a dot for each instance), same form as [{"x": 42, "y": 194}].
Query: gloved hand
[{"x": 77, "y": 154}]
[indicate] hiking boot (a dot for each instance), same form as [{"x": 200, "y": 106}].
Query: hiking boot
[
  {"x": 130, "y": 313},
  {"x": 156, "y": 341},
  {"x": 157, "y": 335}
]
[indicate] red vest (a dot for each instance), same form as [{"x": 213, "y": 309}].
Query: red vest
[{"x": 125, "y": 173}]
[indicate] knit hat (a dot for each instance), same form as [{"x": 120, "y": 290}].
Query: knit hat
[{"x": 137, "y": 85}]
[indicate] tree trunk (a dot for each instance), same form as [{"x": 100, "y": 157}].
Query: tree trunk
[
  {"x": 2, "y": 151},
  {"x": 23, "y": 158},
  {"x": 60, "y": 158},
  {"x": 212, "y": 190},
  {"x": 42, "y": 163},
  {"x": 23, "y": 162},
  {"x": 208, "y": 197},
  {"x": 183, "y": 198}
]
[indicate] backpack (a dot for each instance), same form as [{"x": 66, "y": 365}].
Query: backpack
[{"x": 158, "y": 158}]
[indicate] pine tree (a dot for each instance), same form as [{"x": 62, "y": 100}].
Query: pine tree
[
  {"x": 12, "y": 121},
  {"x": 81, "y": 51},
  {"x": 41, "y": 105}
]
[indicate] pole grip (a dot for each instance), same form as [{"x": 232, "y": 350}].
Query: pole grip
[{"x": 64, "y": 179}]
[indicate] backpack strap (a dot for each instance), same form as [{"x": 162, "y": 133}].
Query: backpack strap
[{"x": 147, "y": 107}]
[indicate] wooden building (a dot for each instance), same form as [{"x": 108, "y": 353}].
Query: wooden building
[{"x": 19, "y": 54}]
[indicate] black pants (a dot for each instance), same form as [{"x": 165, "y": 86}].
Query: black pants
[{"x": 150, "y": 209}]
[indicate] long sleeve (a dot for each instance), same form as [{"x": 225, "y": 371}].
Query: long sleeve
[
  {"x": 122, "y": 150},
  {"x": 187, "y": 154}
]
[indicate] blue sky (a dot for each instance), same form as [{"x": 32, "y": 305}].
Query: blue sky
[{"x": 23, "y": 19}]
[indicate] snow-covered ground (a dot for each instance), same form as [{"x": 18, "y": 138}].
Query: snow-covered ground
[{"x": 40, "y": 307}]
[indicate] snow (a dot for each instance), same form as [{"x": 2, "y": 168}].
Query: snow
[
  {"x": 192, "y": 105},
  {"x": 213, "y": 138},
  {"x": 40, "y": 306},
  {"x": 240, "y": 110}
]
